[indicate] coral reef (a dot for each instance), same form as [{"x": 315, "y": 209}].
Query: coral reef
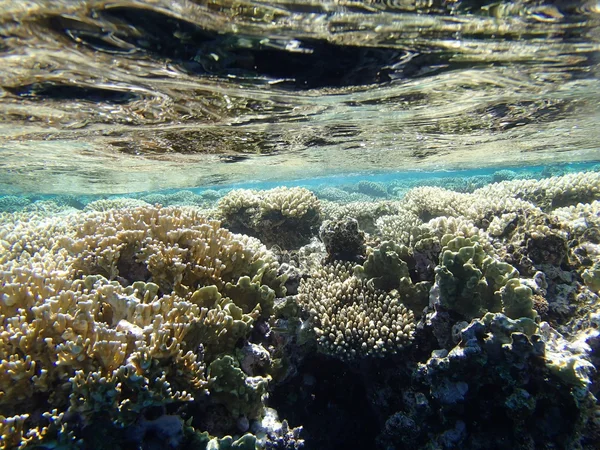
[
  {"x": 463, "y": 318},
  {"x": 287, "y": 217},
  {"x": 351, "y": 318}
]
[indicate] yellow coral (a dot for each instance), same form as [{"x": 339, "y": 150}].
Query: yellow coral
[{"x": 65, "y": 323}]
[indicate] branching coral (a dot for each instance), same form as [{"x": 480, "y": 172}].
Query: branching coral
[
  {"x": 353, "y": 319},
  {"x": 110, "y": 313}
]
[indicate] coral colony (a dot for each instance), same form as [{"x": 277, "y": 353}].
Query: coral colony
[{"x": 420, "y": 317}]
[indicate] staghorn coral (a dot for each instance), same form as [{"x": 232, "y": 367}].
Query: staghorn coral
[
  {"x": 287, "y": 217},
  {"x": 351, "y": 318},
  {"x": 582, "y": 226},
  {"x": 113, "y": 351},
  {"x": 430, "y": 202}
]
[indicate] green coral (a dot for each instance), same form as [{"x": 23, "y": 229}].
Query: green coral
[
  {"x": 242, "y": 395},
  {"x": 386, "y": 269},
  {"x": 386, "y": 266},
  {"x": 503, "y": 327},
  {"x": 247, "y": 295},
  {"x": 517, "y": 300},
  {"x": 224, "y": 323},
  {"x": 470, "y": 282},
  {"x": 459, "y": 278}
]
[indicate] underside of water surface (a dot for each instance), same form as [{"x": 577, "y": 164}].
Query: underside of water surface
[{"x": 104, "y": 97}]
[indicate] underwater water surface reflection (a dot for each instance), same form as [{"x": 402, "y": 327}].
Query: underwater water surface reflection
[{"x": 103, "y": 97}]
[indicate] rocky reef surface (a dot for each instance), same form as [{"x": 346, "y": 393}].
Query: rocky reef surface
[{"x": 428, "y": 318}]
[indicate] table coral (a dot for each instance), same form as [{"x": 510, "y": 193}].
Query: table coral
[{"x": 287, "y": 217}]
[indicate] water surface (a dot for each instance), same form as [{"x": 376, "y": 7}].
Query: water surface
[{"x": 116, "y": 97}]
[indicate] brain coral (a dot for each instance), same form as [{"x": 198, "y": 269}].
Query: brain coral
[{"x": 113, "y": 312}]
